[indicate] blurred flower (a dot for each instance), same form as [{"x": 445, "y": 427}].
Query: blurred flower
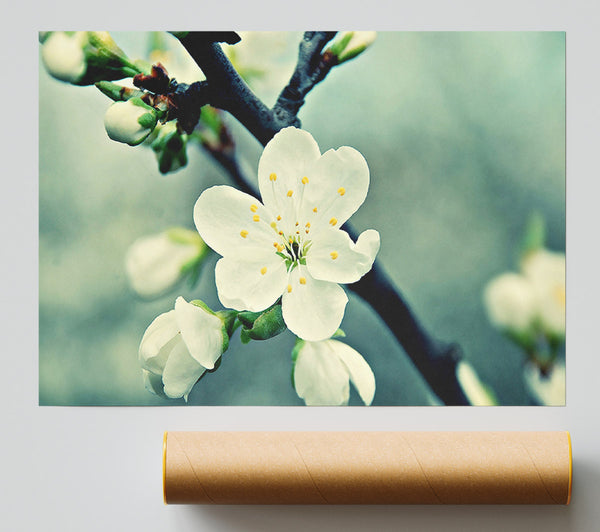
[
  {"x": 511, "y": 302},
  {"x": 63, "y": 55},
  {"x": 478, "y": 393},
  {"x": 533, "y": 299},
  {"x": 292, "y": 245},
  {"x": 155, "y": 263},
  {"x": 265, "y": 59},
  {"x": 323, "y": 372},
  {"x": 130, "y": 122},
  {"x": 349, "y": 44},
  {"x": 547, "y": 273},
  {"x": 85, "y": 57},
  {"x": 549, "y": 389},
  {"x": 179, "y": 346}
]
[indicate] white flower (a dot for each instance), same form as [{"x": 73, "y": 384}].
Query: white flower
[
  {"x": 511, "y": 302},
  {"x": 130, "y": 122},
  {"x": 155, "y": 263},
  {"x": 291, "y": 245},
  {"x": 323, "y": 371},
  {"x": 63, "y": 55},
  {"x": 179, "y": 346},
  {"x": 351, "y": 43},
  {"x": 549, "y": 390},
  {"x": 547, "y": 274}
]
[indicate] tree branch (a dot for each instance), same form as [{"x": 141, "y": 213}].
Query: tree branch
[{"x": 436, "y": 361}]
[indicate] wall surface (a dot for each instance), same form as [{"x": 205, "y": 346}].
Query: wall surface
[{"x": 99, "y": 468}]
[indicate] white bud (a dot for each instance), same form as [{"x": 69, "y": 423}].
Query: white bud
[
  {"x": 550, "y": 389},
  {"x": 157, "y": 262},
  {"x": 63, "y": 56},
  {"x": 355, "y": 42},
  {"x": 510, "y": 302},
  {"x": 129, "y": 122},
  {"x": 546, "y": 272}
]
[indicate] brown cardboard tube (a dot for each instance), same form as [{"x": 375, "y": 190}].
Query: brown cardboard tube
[{"x": 367, "y": 468}]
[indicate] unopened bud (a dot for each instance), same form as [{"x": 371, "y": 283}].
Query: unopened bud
[
  {"x": 352, "y": 43},
  {"x": 130, "y": 122}
]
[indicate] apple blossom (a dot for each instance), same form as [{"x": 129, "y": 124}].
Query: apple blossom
[
  {"x": 180, "y": 345},
  {"x": 323, "y": 371},
  {"x": 291, "y": 245}
]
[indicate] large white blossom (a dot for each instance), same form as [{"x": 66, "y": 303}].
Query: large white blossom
[
  {"x": 179, "y": 346},
  {"x": 154, "y": 263},
  {"x": 323, "y": 372},
  {"x": 291, "y": 245}
]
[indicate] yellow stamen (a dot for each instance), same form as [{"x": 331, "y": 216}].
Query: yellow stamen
[
  {"x": 341, "y": 191},
  {"x": 243, "y": 233},
  {"x": 279, "y": 248},
  {"x": 307, "y": 224},
  {"x": 273, "y": 177},
  {"x": 273, "y": 225},
  {"x": 305, "y": 180},
  {"x": 253, "y": 208},
  {"x": 280, "y": 233},
  {"x": 315, "y": 209},
  {"x": 290, "y": 239},
  {"x": 278, "y": 218},
  {"x": 256, "y": 218},
  {"x": 289, "y": 193},
  {"x": 302, "y": 280},
  {"x": 333, "y": 221},
  {"x": 289, "y": 288},
  {"x": 275, "y": 245},
  {"x": 307, "y": 231},
  {"x": 297, "y": 232},
  {"x": 334, "y": 255},
  {"x": 263, "y": 270}
]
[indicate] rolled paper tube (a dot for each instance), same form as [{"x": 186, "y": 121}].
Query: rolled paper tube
[{"x": 367, "y": 467}]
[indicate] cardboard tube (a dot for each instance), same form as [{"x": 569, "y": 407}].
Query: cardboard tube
[{"x": 367, "y": 468}]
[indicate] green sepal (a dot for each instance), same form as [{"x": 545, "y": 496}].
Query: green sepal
[
  {"x": 262, "y": 325},
  {"x": 337, "y": 48},
  {"x": 147, "y": 121},
  {"x": 352, "y": 53},
  {"x": 228, "y": 318},
  {"x": 534, "y": 237},
  {"x": 244, "y": 337},
  {"x": 339, "y": 334},
  {"x": 116, "y": 92}
]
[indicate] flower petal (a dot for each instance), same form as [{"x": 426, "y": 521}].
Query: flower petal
[
  {"x": 334, "y": 257},
  {"x": 244, "y": 286},
  {"x": 312, "y": 309},
  {"x": 225, "y": 219},
  {"x": 285, "y": 160},
  {"x": 153, "y": 382},
  {"x": 337, "y": 187},
  {"x": 320, "y": 378},
  {"x": 181, "y": 373},
  {"x": 360, "y": 372},
  {"x": 201, "y": 331},
  {"x": 158, "y": 342}
]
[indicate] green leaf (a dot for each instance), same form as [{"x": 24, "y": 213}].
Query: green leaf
[{"x": 534, "y": 237}]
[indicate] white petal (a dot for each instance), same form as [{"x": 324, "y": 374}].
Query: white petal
[
  {"x": 158, "y": 342},
  {"x": 360, "y": 372},
  {"x": 244, "y": 286},
  {"x": 320, "y": 378},
  {"x": 202, "y": 332},
  {"x": 549, "y": 390},
  {"x": 153, "y": 263},
  {"x": 474, "y": 389},
  {"x": 312, "y": 310},
  {"x": 225, "y": 219},
  {"x": 153, "y": 382},
  {"x": 510, "y": 302},
  {"x": 121, "y": 122},
  {"x": 334, "y": 257},
  {"x": 337, "y": 187},
  {"x": 289, "y": 155},
  {"x": 181, "y": 373}
]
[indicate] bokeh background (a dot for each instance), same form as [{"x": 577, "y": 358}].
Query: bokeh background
[{"x": 464, "y": 134}]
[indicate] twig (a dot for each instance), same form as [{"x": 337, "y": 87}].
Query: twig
[{"x": 436, "y": 361}]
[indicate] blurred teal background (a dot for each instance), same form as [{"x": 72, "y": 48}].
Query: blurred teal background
[{"x": 464, "y": 134}]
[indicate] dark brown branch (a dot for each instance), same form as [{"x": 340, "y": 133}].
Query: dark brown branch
[{"x": 436, "y": 361}]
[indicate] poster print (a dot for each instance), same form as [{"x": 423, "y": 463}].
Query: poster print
[{"x": 327, "y": 218}]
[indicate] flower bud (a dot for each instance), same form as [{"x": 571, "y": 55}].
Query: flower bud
[
  {"x": 130, "y": 122},
  {"x": 262, "y": 325},
  {"x": 170, "y": 148},
  {"x": 63, "y": 56},
  {"x": 156, "y": 263},
  {"x": 351, "y": 43}
]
